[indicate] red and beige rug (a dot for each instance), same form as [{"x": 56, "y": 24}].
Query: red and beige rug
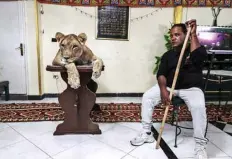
[{"x": 110, "y": 112}]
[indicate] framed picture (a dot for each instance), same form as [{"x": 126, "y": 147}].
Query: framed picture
[{"x": 112, "y": 22}]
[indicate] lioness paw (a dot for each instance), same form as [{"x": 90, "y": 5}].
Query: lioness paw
[
  {"x": 74, "y": 85},
  {"x": 73, "y": 76},
  {"x": 96, "y": 74},
  {"x": 74, "y": 82},
  {"x": 97, "y": 67}
]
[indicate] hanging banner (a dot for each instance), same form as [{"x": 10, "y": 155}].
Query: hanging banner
[
  {"x": 178, "y": 11},
  {"x": 142, "y": 3}
]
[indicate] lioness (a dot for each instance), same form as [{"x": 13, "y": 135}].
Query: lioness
[{"x": 73, "y": 51}]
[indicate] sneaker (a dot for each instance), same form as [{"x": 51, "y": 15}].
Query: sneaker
[
  {"x": 143, "y": 137},
  {"x": 201, "y": 154}
]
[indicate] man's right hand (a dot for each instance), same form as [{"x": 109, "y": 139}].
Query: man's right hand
[{"x": 165, "y": 97}]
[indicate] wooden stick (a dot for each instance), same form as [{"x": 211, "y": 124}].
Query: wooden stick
[{"x": 173, "y": 86}]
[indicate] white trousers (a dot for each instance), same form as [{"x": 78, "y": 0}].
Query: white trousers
[{"x": 194, "y": 99}]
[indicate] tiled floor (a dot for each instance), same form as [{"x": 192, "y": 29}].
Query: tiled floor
[{"x": 29, "y": 140}]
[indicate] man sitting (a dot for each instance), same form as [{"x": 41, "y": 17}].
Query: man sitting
[{"x": 188, "y": 87}]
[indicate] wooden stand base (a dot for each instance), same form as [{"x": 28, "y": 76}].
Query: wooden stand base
[{"x": 77, "y": 105}]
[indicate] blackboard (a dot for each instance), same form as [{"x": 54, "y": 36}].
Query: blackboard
[{"x": 112, "y": 22}]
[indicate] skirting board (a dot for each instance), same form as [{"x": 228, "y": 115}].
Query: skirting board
[
  {"x": 224, "y": 97},
  {"x": 50, "y": 95}
]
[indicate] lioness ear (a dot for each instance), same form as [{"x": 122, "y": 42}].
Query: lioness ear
[
  {"x": 82, "y": 38},
  {"x": 59, "y": 36}
]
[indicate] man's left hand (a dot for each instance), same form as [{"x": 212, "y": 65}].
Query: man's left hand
[{"x": 193, "y": 24}]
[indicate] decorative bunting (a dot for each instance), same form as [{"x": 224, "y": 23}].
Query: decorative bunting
[
  {"x": 142, "y": 3},
  {"x": 131, "y": 20}
]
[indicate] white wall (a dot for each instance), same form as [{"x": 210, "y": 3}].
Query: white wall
[
  {"x": 204, "y": 16},
  {"x": 128, "y": 64}
]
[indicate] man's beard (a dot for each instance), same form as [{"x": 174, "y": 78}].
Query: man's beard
[{"x": 178, "y": 48}]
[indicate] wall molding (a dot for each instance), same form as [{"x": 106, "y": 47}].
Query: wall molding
[{"x": 209, "y": 97}]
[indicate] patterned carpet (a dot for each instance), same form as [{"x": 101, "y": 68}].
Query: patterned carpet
[{"x": 111, "y": 112}]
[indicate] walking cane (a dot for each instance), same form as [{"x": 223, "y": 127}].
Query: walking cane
[{"x": 173, "y": 86}]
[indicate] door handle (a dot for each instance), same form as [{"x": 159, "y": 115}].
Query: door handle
[{"x": 21, "y": 49}]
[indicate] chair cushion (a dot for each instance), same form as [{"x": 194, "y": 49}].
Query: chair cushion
[{"x": 176, "y": 101}]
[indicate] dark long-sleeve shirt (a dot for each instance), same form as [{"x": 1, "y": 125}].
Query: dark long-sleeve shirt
[{"x": 190, "y": 73}]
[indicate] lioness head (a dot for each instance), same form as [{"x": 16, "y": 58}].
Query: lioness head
[{"x": 71, "y": 45}]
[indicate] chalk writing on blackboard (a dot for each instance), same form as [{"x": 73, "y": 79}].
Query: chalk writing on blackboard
[{"x": 113, "y": 22}]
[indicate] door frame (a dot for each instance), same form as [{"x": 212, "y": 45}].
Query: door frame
[{"x": 24, "y": 39}]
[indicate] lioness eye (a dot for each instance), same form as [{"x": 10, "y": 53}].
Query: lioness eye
[
  {"x": 62, "y": 45},
  {"x": 75, "y": 46}
]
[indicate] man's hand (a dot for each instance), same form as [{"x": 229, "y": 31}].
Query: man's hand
[
  {"x": 193, "y": 24},
  {"x": 194, "y": 38},
  {"x": 165, "y": 97}
]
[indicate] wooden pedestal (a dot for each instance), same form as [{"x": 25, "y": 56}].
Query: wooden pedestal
[{"x": 76, "y": 104}]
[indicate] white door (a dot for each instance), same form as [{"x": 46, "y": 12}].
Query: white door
[{"x": 12, "y": 59}]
